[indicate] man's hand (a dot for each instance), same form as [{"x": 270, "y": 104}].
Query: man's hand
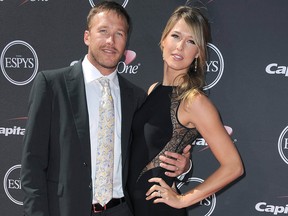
[{"x": 176, "y": 164}]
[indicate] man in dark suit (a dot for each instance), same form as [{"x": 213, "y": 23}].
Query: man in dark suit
[{"x": 58, "y": 158}]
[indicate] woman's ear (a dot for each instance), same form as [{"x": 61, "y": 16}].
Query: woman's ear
[
  {"x": 161, "y": 45},
  {"x": 198, "y": 53}
]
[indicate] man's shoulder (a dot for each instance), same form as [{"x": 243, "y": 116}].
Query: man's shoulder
[
  {"x": 56, "y": 71},
  {"x": 127, "y": 83},
  {"x": 59, "y": 72}
]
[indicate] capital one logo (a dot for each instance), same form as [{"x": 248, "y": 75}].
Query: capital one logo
[
  {"x": 214, "y": 65},
  {"x": 12, "y": 185},
  {"x": 271, "y": 209},
  {"x": 121, "y": 2},
  {"x": 275, "y": 69},
  {"x": 283, "y": 145},
  {"x": 19, "y": 62},
  {"x": 125, "y": 66},
  {"x": 25, "y": 1},
  {"x": 204, "y": 207},
  {"x": 200, "y": 142},
  {"x": 14, "y": 127}
]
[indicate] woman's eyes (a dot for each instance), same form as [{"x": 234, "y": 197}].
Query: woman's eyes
[
  {"x": 177, "y": 37},
  {"x": 191, "y": 41},
  {"x": 174, "y": 35}
]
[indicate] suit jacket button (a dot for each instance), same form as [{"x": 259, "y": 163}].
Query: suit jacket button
[
  {"x": 85, "y": 164},
  {"x": 90, "y": 185}
]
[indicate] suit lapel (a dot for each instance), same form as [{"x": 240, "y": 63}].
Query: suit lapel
[
  {"x": 127, "y": 101},
  {"x": 76, "y": 93}
]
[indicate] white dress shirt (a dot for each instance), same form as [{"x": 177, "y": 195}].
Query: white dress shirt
[{"x": 93, "y": 95}]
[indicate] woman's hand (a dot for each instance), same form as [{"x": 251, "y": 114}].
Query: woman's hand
[{"x": 164, "y": 194}]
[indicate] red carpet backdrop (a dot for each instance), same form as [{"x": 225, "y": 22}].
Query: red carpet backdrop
[{"x": 247, "y": 79}]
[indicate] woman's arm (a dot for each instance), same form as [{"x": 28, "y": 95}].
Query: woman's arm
[{"x": 202, "y": 114}]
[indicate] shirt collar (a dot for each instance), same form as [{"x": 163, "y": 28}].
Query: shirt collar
[{"x": 91, "y": 73}]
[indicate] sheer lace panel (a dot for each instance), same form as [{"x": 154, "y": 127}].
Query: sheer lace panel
[{"x": 181, "y": 136}]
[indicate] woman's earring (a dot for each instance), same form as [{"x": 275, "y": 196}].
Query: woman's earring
[{"x": 195, "y": 65}]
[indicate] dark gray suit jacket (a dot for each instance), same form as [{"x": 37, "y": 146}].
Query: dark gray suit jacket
[{"x": 56, "y": 159}]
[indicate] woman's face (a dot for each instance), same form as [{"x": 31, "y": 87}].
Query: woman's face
[{"x": 178, "y": 47}]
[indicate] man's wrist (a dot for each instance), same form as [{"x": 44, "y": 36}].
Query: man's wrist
[{"x": 181, "y": 177}]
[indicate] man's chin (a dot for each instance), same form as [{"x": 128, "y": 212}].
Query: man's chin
[{"x": 108, "y": 67}]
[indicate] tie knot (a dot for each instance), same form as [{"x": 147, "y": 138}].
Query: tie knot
[{"x": 104, "y": 82}]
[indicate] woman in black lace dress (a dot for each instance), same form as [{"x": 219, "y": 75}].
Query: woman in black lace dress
[{"x": 175, "y": 112}]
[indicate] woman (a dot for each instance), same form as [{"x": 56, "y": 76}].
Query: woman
[{"x": 175, "y": 112}]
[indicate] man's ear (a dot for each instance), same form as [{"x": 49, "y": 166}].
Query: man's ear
[{"x": 86, "y": 37}]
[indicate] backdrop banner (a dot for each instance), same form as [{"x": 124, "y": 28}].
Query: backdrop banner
[{"x": 247, "y": 80}]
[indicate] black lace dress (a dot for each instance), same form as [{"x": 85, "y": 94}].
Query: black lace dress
[{"x": 155, "y": 130}]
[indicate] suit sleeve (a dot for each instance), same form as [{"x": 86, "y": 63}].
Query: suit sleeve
[{"x": 36, "y": 149}]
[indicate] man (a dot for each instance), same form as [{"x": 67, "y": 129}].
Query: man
[{"x": 59, "y": 155}]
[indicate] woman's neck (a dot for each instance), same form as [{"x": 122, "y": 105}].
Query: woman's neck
[{"x": 169, "y": 77}]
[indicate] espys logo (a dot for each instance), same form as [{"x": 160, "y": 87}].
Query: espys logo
[
  {"x": 204, "y": 207},
  {"x": 121, "y": 2},
  {"x": 283, "y": 145},
  {"x": 275, "y": 69},
  {"x": 12, "y": 185},
  {"x": 215, "y": 66},
  {"x": 19, "y": 62}
]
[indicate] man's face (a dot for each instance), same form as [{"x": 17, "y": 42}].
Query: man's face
[{"x": 106, "y": 40}]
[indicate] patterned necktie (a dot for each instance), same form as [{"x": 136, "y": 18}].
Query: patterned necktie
[{"x": 104, "y": 162}]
